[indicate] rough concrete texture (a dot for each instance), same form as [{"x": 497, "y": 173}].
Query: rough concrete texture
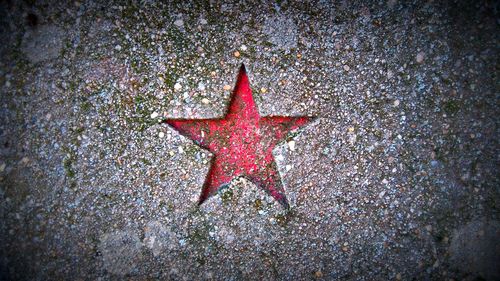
[
  {"x": 395, "y": 179},
  {"x": 475, "y": 248}
]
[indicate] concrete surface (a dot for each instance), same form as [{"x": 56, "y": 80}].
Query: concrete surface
[{"x": 393, "y": 180}]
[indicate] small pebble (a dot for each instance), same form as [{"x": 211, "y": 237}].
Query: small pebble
[
  {"x": 396, "y": 103},
  {"x": 118, "y": 47},
  {"x": 288, "y": 167},
  {"x": 263, "y": 90},
  {"x": 2, "y": 167},
  {"x": 227, "y": 88},
  {"x": 346, "y": 68},
  {"x": 154, "y": 115},
  {"x": 243, "y": 48},
  {"x": 237, "y": 54},
  {"x": 177, "y": 86},
  {"x": 161, "y": 134},
  {"x": 205, "y": 101},
  {"x": 201, "y": 86},
  {"x": 291, "y": 145},
  {"x": 318, "y": 274},
  {"x": 25, "y": 160},
  {"x": 420, "y": 57},
  {"x": 179, "y": 23}
]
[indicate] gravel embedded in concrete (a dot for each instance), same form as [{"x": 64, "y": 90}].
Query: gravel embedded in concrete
[{"x": 396, "y": 173}]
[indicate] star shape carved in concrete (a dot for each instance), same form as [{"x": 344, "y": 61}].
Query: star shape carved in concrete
[{"x": 242, "y": 142}]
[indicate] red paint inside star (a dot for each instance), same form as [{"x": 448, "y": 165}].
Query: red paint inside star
[{"x": 242, "y": 142}]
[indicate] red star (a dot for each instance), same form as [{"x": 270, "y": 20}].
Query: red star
[{"x": 242, "y": 142}]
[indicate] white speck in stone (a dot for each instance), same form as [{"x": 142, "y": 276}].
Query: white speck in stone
[
  {"x": 396, "y": 103},
  {"x": 420, "y": 57},
  {"x": 179, "y": 22},
  {"x": 243, "y": 48},
  {"x": 205, "y": 101},
  {"x": 291, "y": 145},
  {"x": 154, "y": 115},
  {"x": 201, "y": 86},
  {"x": 229, "y": 238},
  {"x": 177, "y": 86},
  {"x": 180, "y": 149},
  {"x": 161, "y": 134},
  {"x": 381, "y": 194},
  {"x": 288, "y": 167}
]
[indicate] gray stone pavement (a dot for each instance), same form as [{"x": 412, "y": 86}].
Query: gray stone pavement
[{"x": 396, "y": 179}]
